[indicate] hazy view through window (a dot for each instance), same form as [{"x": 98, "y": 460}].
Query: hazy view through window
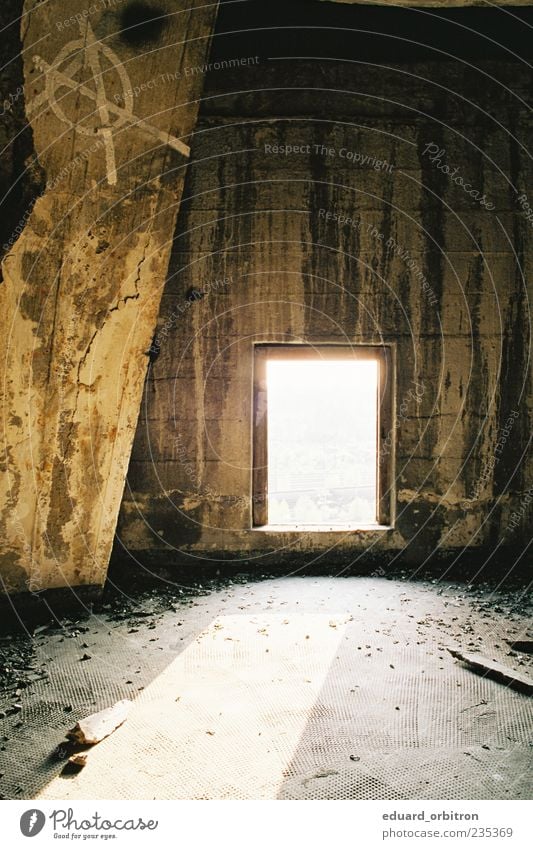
[{"x": 322, "y": 441}]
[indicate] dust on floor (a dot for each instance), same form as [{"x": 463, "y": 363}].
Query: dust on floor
[{"x": 294, "y": 688}]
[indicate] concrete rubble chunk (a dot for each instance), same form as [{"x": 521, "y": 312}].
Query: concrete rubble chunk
[
  {"x": 79, "y": 760},
  {"x": 95, "y": 727}
]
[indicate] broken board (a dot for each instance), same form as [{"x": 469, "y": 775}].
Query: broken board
[{"x": 495, "y": 670}]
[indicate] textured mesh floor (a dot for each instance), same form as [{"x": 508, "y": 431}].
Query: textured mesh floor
[{"x": 293, "y": 688}]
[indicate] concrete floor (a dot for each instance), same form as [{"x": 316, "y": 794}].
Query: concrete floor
[{"x": 288, "y": 688}]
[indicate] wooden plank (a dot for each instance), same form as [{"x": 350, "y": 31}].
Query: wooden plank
[
  {"x": 521, "y": 646},
  {"x": 493, "y": 669},
  {"x": 321, "y": 351}
]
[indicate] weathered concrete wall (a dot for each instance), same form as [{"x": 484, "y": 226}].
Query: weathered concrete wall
[
  {"x": 252, "y": 233},
  {"x": 82, "y": 284}
]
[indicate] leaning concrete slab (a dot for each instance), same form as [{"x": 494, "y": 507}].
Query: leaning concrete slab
[{"x": 111, "y": 94}]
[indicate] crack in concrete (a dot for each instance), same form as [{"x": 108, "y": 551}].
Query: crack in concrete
[
  {"x": 83, "y": 361},
  {"x": 136, "y": 280}
]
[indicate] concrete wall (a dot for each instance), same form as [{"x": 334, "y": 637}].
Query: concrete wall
[{"x": 252, "y": 233}]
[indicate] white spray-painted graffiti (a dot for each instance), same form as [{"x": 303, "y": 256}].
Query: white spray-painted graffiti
[{"x": 104, "y": 117}]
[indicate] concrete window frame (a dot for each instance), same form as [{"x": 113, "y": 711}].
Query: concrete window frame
[{"x": 384, "y": 355}]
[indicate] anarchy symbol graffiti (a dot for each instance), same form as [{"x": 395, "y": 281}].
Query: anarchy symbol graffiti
[{"x": 84, "y": 68}]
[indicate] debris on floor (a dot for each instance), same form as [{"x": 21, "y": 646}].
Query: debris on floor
[
  {"x": 78, "y": 760},
  {"x": 97, "y": 726},
  {"x": 197, "y": 682},
  {"x": 74, "y": 763}
]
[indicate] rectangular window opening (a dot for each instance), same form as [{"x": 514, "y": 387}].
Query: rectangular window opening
[{"x": 321, "y": 416}]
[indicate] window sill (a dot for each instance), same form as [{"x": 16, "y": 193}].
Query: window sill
[{"x": 320, "y": 529}]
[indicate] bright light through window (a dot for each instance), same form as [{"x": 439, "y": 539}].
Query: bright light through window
[{"x": 322, "y": 441}]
